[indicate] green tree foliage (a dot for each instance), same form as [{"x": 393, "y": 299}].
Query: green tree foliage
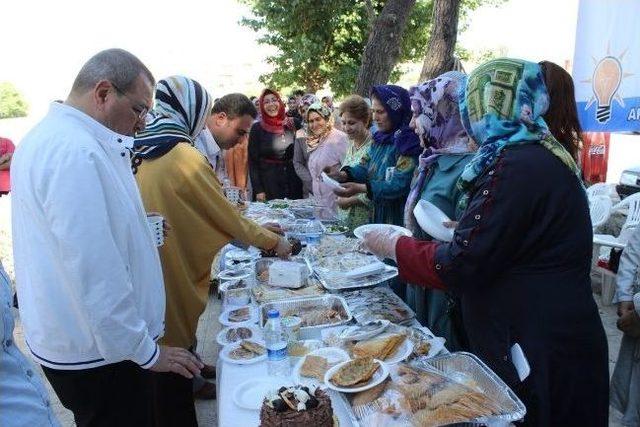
[
  {"x": 12, "y": 104},
  {"x": 320, "y": 42}
]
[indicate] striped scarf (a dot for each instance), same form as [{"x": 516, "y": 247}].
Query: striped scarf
[{"x": 180, "y": 114}]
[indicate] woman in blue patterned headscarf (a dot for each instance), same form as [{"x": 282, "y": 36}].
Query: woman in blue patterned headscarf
[
  {"x": 386, "y": 170},
  {"x": 520, "y": 258},
  {"x": 447, "y": 150}
]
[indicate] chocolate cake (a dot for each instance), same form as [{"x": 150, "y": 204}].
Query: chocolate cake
[{"x": 297, "y": 406}]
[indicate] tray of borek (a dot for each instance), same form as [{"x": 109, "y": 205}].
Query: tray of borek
[
  {"x": 457, "y": 388},
  {"x": 352, "y": 270}
]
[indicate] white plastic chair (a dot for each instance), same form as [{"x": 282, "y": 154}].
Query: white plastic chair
[
  {"x": 599, "y": 189},
  {"x": 599, "y": 210},
  {"x": 632, "y": 206}
]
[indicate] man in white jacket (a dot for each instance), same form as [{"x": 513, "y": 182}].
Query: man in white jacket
[{"x": 88, "y": 273}]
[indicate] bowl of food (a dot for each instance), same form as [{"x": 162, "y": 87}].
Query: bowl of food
[{"x": 336, "y": 229}]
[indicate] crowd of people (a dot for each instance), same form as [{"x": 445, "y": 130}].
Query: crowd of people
[{"x": 112, "y": 319}]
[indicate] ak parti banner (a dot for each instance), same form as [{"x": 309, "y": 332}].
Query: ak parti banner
[{"x": 606, "y": 65}]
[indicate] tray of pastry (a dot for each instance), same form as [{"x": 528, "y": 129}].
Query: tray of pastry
[
  {"x": 379, "y": 303},
  {"x": 451, "y": 389},
  {"x": 264, "y": 293},
  {"x": 315, "y": 312}
]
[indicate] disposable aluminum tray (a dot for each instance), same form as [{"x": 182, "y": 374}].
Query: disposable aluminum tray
[
  {"x": 381, "y": 302},
  {"x": 263, "y": 265},
  {"x": 264, "y": 293},
  {"x": 293, "y": 307},
  {"x": 338, "y": 282},
  {"x": 465, "y": 366}
]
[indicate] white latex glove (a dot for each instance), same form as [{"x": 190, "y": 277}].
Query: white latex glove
[{"x": 381, "y": 243}]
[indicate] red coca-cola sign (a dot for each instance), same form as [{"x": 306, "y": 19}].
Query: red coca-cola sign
[{"x": 595, "y": 156}]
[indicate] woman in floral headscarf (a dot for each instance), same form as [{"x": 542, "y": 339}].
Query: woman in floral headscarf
[
  {"x": 300, "y": 152},
  {"x": 327, "y": 147},
  {"x": 521, "y": 253},
  {"x": 447, "y": 150}
]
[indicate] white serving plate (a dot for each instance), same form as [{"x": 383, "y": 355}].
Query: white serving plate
[
  {"x": 253, "y": 317},
  {"x": 402, "y": 352},
  {"x": 222, "y": 339},
  {"x": 381, "y": 374},
  {"x": 431, "y": 218},
  {"x": 251, "y": 393},
  {"x": 226, "y": 350},
  {"x": 334, "y": 355},
  {"x": 350, "y": 333},
  {"x": 367, "y": 270},
  {"x": 364, "y": 229}
]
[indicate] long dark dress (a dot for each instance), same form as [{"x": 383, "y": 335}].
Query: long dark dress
[
  {"x": 271, "y": 164},
  {"x": 520, "y": 262}
]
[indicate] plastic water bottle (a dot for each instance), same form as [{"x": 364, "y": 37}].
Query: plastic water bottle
[
  {"x": 314, "y": 232},
  {"x": 277, "y": 357}
]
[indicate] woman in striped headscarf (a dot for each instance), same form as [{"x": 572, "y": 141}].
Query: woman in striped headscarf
[
  {"x": 180, "y": 114},
  {"x": 177, "y": 181}
]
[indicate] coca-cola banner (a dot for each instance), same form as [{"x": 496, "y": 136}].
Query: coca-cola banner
[
  {"x": 595, "y": 156},
  {"x": 606, "y": 66}
]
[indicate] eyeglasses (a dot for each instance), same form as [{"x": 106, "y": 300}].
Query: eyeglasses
[{"x": 141, "y": 112}]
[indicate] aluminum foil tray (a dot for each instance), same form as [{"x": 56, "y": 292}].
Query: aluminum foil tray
[
  {"x": 298, "y": 306},
  {"x": 466, "y": 366},
  {"x": 334, "y": 282},
  {"x": 264, "y": 293},
  {"x": 262, "y": 265},
  {"x": 378, "y": 303}
]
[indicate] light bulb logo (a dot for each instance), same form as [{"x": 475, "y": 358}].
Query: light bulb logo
[{"x": 606, "y": 82}]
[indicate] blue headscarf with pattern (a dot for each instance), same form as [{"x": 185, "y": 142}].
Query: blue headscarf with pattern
[
  {"x": 396, "y": 102},
  {"x": 503, "y": 106},
  {"x": 180, "y": 114}
]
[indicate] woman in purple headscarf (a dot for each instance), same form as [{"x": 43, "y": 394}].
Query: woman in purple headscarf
[{"x": 447, "y": 150}]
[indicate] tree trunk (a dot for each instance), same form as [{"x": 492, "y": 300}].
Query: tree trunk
[
  {"x": 383, "y": 47},
  {"x": 438, "y": 58}
]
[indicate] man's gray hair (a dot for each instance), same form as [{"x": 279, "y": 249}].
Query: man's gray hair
[{"x": 116, "y": 65}]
